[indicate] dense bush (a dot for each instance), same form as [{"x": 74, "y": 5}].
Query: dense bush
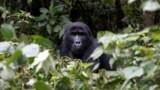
[
  {"x": 29, "y": 58},
  {"x": 28, "y": 66}
]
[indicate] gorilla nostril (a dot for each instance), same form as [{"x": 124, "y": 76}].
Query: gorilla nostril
[{"x": 77, "y": 42}]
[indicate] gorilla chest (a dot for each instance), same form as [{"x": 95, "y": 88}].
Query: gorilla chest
[{"x": 76, "y": 55}]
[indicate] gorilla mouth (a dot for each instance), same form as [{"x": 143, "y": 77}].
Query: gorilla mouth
[{"x": 76, "y": 48}]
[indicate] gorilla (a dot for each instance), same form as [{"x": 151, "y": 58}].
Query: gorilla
[{"x": 79, "y": 43}]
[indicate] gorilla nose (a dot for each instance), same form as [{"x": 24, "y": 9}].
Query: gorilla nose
[{"x": 78, "y": 43}]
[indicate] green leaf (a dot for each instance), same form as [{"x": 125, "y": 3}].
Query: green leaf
[
  {"x": 15, "y": 56},
  {"x": 97, "y": 53},
  {"x": 149, "y": 52},
  {"x": 132, "y": 37},
  {"x": 42, "y": 41},
  {"x": 29, "y": 2},
  {"x": 7, "y": 31},
  {"x": 31, "y": 82},
  {"x": 31, "y": 50},
  {"x": 86, "y": 65},
  {"x": 155, "y": 33},
  {"x": 133, "y": 71},
  {"x": 49, "y": 28},
  {"x": 58, "y": 8},
  {"x": 7, "y": 73},
  {"x": 148, "y": 66},
  {"x": 151, "y": 5},
  {"x": 63, "y": 84},
  {"x": 43, "y": 10},
  {"x": 40, "y": 59},
  {"x": 51, "y": 7},
  {"x": 57, "y": 28},
  {"x": 4, "y": 46},
  {"x": 40, "y": 85},
  {"x": 107, "y": 38},
  {"x": 100, "y": 34},
  {"x": 47, "y": 65},
  {"x": 131, "y": 1}
]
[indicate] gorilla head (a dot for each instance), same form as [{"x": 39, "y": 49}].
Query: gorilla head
[
  {"x": 78, "y": 42},
  {"x": 77, "y": 38}
]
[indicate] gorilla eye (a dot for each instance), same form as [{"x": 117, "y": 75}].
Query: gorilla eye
[
  {"x": 73, "y": 33},
  {"x": 82, "y": 33},
  {"x": 78, "y": 33}
]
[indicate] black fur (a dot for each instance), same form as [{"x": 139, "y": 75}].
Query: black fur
[{"x": 89, "y": 43}]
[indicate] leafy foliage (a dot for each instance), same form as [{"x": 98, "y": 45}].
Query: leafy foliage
[
  {"x": 29, "y": 58},
  {"x": 33, "y": 66}
]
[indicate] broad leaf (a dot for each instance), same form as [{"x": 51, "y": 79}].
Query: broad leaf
[
  {"x": 43, "y": 10},
  {"x": 8, "y": 32},
  {"x": 14, "y": 57},
  {"x": 49, "y": 28},
  {"x": 42, "y": 41},
  {"x": 155, "y": 33},
  {"x": 132, "y": 72},
  {"x": 151, "y": 5},
  {"x": 39, "y": 60},
  {"x": 97, "y": 53},
  {"x": 131, "y": 1},
  {"x": 40, "y": 85},
  {"x": 31, "y": 50},
  {"x": 7, "y": 73},
  {"x": 107, "y": 38},
  {"x": 31, "y": 82},
  {"x": 4, "y": 46}
]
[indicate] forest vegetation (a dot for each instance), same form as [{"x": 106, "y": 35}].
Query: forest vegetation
[{"x": 31, "y": 32}]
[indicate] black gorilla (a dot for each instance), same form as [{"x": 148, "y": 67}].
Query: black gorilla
[{"x": 79, "y": 43}]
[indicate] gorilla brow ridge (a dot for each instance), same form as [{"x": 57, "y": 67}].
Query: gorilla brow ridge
[{"x": 78, "y": 25}]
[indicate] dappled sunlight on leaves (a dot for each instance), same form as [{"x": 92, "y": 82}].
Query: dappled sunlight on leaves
[
  {"x": 151, "y": 5},
  {"x": 41, "y": 57},
  {"x": 31, "y": 50}
]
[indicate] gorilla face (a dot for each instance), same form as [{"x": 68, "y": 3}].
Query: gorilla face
[{"x": 77, "y": 37}]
